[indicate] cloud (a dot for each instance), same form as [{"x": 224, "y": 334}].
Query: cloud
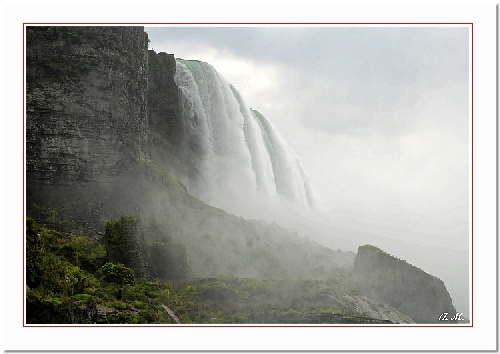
[{"x": 346, "y": 77}]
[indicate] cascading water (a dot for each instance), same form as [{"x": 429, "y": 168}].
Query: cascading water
[{"x": 239, "y": 155}]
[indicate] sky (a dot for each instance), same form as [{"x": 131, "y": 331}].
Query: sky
[{"x": 379, "y": 117}]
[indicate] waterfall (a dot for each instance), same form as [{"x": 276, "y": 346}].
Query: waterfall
[{"x": 238, "y": 153}]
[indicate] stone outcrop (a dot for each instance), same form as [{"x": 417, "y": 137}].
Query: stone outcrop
[{"x": 408, "y": 289}]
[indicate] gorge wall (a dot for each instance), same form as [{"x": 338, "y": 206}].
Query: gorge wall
[
  {"x": 86, "y": 118},
  {"x": 86, "y": 101}
]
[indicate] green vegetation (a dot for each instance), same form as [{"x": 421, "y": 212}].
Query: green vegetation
[
  {"x": 125, "y": 245},
  {"x": 75, "y": 278},
  {"x": 117, "y": 273}
]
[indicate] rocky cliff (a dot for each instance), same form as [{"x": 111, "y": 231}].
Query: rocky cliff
[
  {"x": 86, "y": 118},
  {"x": 86, "y": 101},
  {"x": 163, "y": 97},
  {"x": 166, "y": 128},
  {"x": 405, "y": 287}
]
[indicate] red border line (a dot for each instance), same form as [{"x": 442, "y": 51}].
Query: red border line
[{"x": 260, "y": 23}]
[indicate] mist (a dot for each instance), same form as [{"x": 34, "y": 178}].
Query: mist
[{"x": 379, "y": 118}]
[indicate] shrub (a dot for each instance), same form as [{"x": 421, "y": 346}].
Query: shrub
[{"x": 117, "y": 273}]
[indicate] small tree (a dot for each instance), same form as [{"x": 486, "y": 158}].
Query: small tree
[{"x": 117, "y": 273}]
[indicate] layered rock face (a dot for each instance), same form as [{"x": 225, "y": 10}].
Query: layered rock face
[
  {"x": 86, "y": 101},
  {"x": 405, "y": 287},
  {"x": 86, "y": 113}
]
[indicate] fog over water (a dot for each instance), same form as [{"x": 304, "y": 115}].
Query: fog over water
[{"x": 379, "y": 118}]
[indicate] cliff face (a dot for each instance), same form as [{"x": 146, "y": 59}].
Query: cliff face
[
  {"x": 166, "y": 129},
  {"x": 405, "y": 287},
  {"x": 164, "y": 114},
  {"x": 86, "y": 101},
  {"x": 86, "y": 116}
]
